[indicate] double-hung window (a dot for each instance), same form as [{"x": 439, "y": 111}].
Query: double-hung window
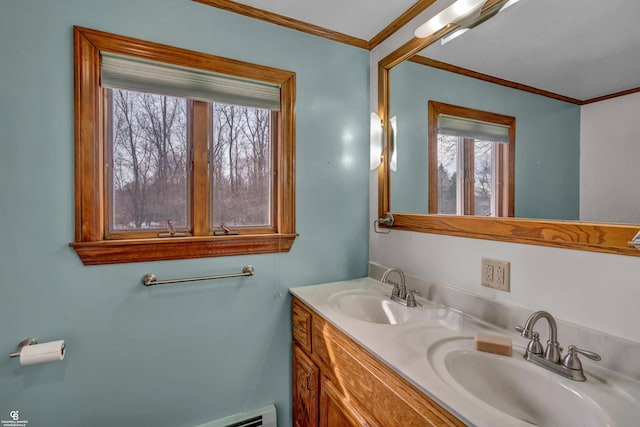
[
  {"x": 179, "y": 154},
  {"x": 471, "y": 161}
]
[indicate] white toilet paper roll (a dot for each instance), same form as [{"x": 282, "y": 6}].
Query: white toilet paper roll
[{"x": 41, "y": 353}]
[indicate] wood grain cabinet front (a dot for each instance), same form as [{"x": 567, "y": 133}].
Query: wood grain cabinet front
[
  {"x": 301, "y": 324},
  {"x": 305, "y": 390},
  {"x": 336, "y": 410},
  {"x": 337, "y": 383}
]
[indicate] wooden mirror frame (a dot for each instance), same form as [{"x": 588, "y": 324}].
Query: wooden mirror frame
[{"x": 587, "y": 236}]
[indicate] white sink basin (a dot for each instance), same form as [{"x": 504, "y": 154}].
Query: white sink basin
[
  {"x": 370, "y": 306},
  {"x": 375, "y": 306},
  {"x": 527, "y": 394}
]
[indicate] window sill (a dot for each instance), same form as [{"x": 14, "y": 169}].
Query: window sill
[{"x": 139, "y": 250}]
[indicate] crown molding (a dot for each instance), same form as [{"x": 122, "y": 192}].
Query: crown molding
[
  {"x": 285, "y": 21},
  {"x": 400, "y": 22},
  {"x": 305, "y": 27}
]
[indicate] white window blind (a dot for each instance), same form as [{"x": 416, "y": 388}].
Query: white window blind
[
  {"x": 467, "y": 128},
  {"x": 126, "y": 72}
]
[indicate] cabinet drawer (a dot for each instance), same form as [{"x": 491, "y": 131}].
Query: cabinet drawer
[{"x": 301, "y": 324}]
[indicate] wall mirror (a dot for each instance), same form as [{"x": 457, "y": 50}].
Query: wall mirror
[{"x": 569, "y": 73}]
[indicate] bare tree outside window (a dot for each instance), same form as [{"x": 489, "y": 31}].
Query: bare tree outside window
[
  {"x": 447, "y": 174},
  {"x": 149, "y": 160},
  {"x": 484, "y": 177},
  {"x": 149, "y": 177},
  {"x": 241, "y": 170},
  {"x": 450, "y": 150}
]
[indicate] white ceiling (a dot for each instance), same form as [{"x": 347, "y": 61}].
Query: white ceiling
[{"x": 577, "y": 48}]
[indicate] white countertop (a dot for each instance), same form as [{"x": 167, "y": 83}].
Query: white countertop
[{"x": 405, "y": 347}]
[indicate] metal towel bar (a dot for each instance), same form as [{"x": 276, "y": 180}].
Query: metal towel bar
[{"x": 150, "y": 279}]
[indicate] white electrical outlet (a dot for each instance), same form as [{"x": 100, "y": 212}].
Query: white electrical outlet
[
  {"x": 495, "y": 274},
  {"x": 487, "y": 272}
]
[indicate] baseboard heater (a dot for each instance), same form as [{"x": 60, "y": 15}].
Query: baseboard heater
[{"x": 261, "y": 417}]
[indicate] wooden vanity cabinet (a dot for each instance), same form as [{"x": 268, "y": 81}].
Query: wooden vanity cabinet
[
  {"x": 316, "y": 400},
  {"x": 337, "y": 383}
]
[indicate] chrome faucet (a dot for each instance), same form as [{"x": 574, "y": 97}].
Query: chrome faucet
[
  {"x": 552, "y": 352},
  {"x": 398, "y": 287},
  {"x": 550, "y": 358},
  {"x": 400, "y": 293}
]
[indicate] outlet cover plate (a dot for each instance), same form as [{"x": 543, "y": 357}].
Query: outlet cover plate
[{"x": 496, "y": 274}]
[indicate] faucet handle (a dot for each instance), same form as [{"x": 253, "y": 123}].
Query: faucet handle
[
  {"x": 571, "y": 360},
  {"x": 590, "y": 354},
  {"x": 411, "y": 299},
  {"x": 524, "y": 332},
  {"x": 534, "y": 346}
]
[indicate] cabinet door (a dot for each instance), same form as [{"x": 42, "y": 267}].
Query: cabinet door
[
  {"x": 305, "y": 390},
  {"x": 336, "y": 410}
]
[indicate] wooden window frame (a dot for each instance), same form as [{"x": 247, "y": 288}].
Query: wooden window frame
[
  {"x": 506, "y": 156},
  {"x": 91, "y": 242}
]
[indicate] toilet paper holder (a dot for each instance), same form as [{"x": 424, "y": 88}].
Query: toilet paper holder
[
  {"x": 25, "y": 342},
  {"x": 30, "y": 352}
]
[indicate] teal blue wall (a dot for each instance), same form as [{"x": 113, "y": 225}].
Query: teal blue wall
[
  {"x": 181, "y": 354},
  {"x": 547, "y": 140}
]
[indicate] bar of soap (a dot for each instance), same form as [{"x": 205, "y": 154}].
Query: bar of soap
[{"x": 493, "y": 344}]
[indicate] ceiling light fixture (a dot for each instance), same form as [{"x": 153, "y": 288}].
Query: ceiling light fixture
[{"x": 463, "y": 14}]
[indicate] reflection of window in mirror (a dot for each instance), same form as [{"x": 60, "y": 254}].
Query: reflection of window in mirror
[{"x": 471, "y": 161}]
